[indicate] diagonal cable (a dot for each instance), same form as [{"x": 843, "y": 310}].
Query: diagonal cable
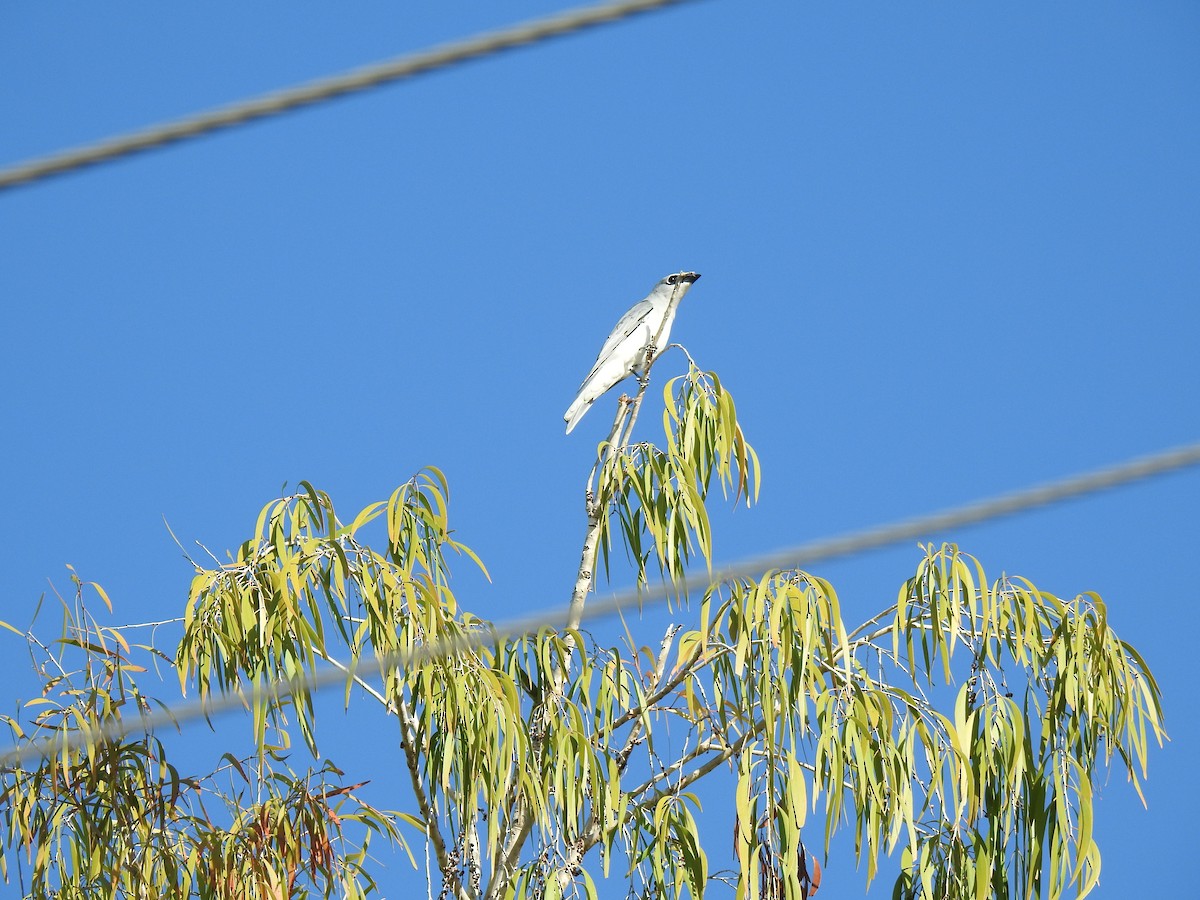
[
  {"x": 794, "y": 557},
  {"x": 923, "y": 526},
  {"x": 328, "y": 88}
]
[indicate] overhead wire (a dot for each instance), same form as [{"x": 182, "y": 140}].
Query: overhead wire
[
  {"x": 793, "y": 557},
  {"x": 326, "y": 89},
  {"x": 957, "y": 517}
]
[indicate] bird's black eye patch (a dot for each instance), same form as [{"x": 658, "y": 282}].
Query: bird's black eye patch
[{"x": 671, "y": 279}]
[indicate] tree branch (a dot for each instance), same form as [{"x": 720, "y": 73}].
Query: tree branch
[
  {"x": 408, "y": 734},
  {"x": 635, "y": 732}
]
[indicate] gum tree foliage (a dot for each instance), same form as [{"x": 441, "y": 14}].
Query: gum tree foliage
[{"x": 962, "y": 727}]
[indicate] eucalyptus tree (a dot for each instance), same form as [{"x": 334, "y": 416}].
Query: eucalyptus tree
[{"x": 961, "y": 728}]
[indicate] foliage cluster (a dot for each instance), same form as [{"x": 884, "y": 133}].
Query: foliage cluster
[{"x": 963, "y": 726}]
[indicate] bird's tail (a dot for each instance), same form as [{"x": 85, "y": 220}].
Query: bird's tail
[{"x": 576, "y": 410}]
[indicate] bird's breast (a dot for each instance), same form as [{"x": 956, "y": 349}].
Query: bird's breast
[
  {"x": 645, "y": 336},
  {"x": 641, "y": 349}
]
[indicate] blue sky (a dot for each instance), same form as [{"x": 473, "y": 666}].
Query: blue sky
[{"x": 948, "y": 250}]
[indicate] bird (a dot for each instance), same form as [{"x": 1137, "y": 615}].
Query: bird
[{"x": 632, "y": 344}]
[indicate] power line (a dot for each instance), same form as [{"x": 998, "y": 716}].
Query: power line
[
  {"x": 971, "y": 514},
  {"x": 328, "y": 88},
  {"x": 794, "y": 557}
]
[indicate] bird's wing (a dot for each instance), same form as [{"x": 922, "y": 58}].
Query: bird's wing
[{"x": 625, "y": 327}]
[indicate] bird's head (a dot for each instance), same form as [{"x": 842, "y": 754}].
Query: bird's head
[
  {"x": 677, "y": 283},
  {"x": 681, "y": 277}
]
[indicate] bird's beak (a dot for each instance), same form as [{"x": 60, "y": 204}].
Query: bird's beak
[{"x": 690, "y": 277}]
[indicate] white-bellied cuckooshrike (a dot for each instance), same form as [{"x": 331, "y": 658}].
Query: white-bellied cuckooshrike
[{"x": 630, "y": 347}]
